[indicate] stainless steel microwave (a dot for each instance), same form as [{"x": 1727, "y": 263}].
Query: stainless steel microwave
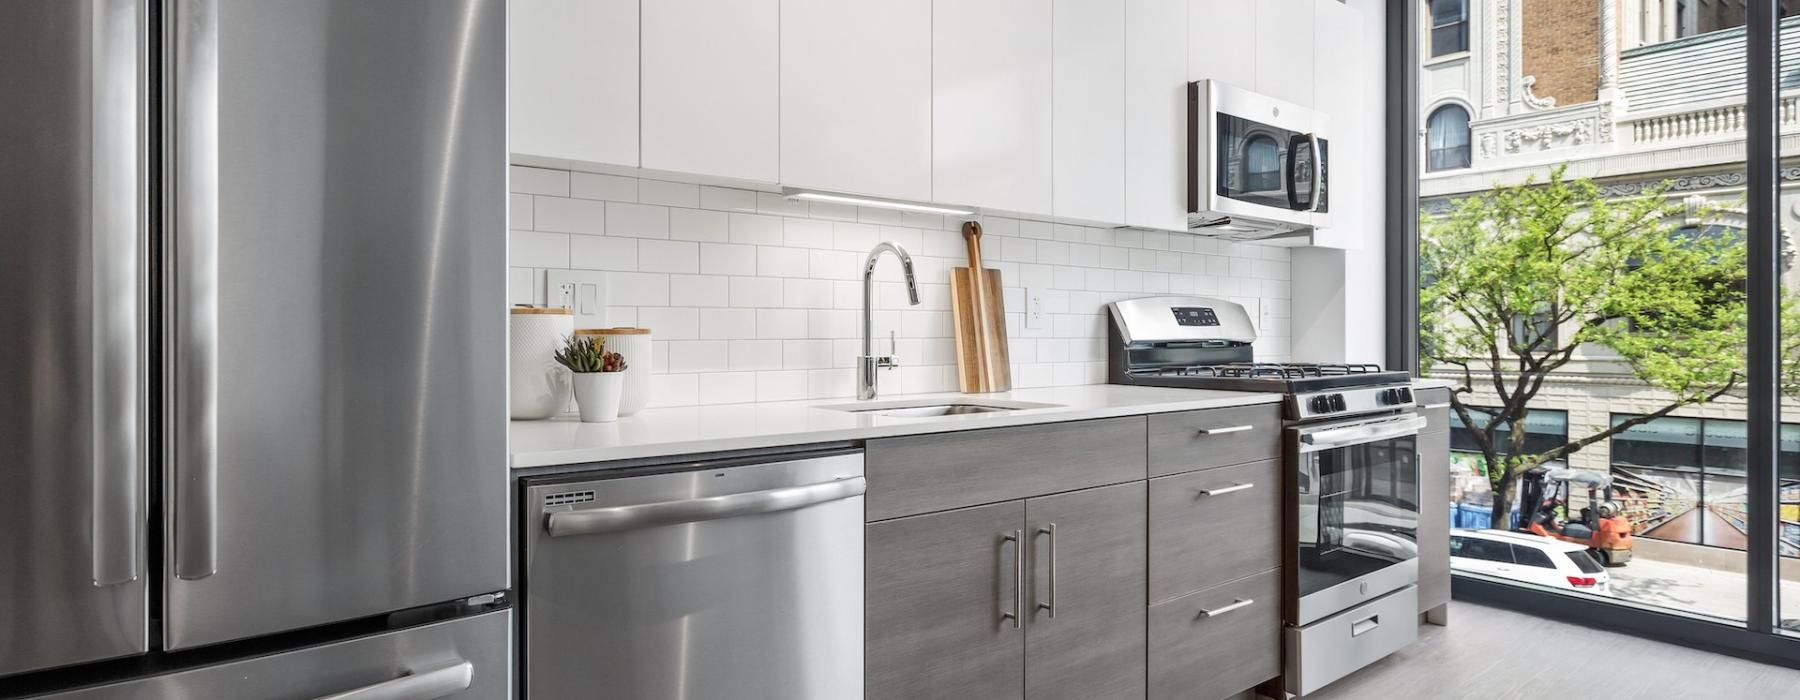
[{"x": 1258, "y": 168}]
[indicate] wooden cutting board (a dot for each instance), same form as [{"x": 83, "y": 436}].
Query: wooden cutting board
[{"x": 982, "y": 364}]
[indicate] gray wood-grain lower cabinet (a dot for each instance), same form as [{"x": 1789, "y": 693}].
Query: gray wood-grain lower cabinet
[
  {"x": 1212, "y": 643},
  {"x": 941, "y": 587},
  {"x": 1084, "y": 637},
  {"x": 937, "y": 587},
  {"x": 1434, "y": 520}
]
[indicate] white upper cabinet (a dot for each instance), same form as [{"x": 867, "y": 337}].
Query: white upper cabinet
[
  {"x": 991, "y": 104},
  {"x": 1343, "y": 97},
  {"x": 1284, "y": 49},
  {"x": 1156, "y": 113},
  {"x": 856, "y": 96},
  {"x": 711, "y": 87},
  {"x": 1222, "y": 41},
  {"x": 1088, "y": 111},
  {"x": 573, "y": 69}
]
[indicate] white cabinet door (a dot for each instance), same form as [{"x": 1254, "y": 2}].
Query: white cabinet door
[
  {"x": 1343, "y": 103},
  {"x": 1088, "y": 112},
  {"x": 1156, "y": 53},
  {"x": 1284, "y": 49},
  {"x": 856, "y": 96},
  {"x": 1222, "y": 41},
  {"x": 991, "y": 104},
  {"x": 573, "y": 69},
  {"x": 711, "y": 87}
]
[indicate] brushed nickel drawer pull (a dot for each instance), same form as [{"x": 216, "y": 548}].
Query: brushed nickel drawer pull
[
  {"x": 1203, "y": 432},
  {"x": 1018, "y": 539},
  {"x": 1228, "y": 489},
  {"x": 1239, "y": 604}
]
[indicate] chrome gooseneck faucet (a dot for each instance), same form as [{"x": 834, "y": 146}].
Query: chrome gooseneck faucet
[{"x": 868, "y": 362}]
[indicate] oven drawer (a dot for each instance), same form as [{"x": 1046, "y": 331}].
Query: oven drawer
[
  {"x": 1434, "y": 405},
  {"x": 930, "y": 473},
  {"x": 1332, "y": 648},
  {"x": 1219, "y": 641},
  {"x": 1213, "y": 526},
  {"x": 1184, "y": 442}
]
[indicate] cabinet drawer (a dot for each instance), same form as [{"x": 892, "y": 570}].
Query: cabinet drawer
[
  {"x": 1213, "y": 526},
  {"x": 1434, "y": 404},
  {"x": 1184, "y": 442},
  {"x": 1218, "y": 641},
  {"x": 930, "y": 473}
]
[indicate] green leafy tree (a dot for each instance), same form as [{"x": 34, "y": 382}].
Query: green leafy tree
[{"x": 1517, "y": 279}]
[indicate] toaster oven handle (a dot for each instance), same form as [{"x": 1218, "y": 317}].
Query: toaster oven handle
[{"x": 1359, "y": 434}]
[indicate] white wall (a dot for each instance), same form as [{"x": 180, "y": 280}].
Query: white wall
[{"x": 752, "y": 297}]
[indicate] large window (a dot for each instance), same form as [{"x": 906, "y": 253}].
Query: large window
[
  {"x": 1449, "y": 27},
  {"x": 1447, "y": 139}
]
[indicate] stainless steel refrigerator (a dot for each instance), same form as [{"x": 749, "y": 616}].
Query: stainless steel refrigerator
[{"x": 251, "y": 344}]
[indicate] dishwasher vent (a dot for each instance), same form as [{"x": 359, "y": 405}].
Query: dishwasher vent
[{"x": 563, "y": 499}]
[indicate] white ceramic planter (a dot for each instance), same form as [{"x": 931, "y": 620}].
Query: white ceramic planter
[
  {"x": 634, "y": 344},
  {"x": 597, "y": 394}
]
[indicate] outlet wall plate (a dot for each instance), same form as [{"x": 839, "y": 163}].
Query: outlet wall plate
[
  {"x": 1034, "y": 309},
  {"x": 582, "y": 291}
]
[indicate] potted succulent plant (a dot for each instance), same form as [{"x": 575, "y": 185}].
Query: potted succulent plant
[{"x": 599, "y": 377}]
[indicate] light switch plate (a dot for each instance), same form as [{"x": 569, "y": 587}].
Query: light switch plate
[
  {"x": 1034, "y": 309},
  {"x": 582, "y": 291}
]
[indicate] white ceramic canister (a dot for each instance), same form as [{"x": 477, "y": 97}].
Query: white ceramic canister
[
  {"x": 634, "y": 344},
  {"x": 540, "y": 388}
]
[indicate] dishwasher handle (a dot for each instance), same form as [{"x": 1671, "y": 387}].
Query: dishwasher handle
[{"x": 613, "y": 519}]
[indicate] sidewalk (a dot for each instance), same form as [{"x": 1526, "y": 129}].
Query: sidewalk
[{"x": 1687, "y": 588}]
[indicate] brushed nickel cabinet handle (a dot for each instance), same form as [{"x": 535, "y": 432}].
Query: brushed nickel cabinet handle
[
  {"x": 1241, "y": 603},
  {"x": 1018, "y": 539},
  {"x": 1203, "y": 432},
  {"x": 1050, "y": 605},
  {"x": 1234, "y": 488}
]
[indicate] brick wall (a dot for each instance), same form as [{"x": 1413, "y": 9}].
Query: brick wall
[{"x": 1560, "y": 40}]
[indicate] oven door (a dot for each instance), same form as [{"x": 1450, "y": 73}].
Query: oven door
[{"x": 1355, "y": 510}]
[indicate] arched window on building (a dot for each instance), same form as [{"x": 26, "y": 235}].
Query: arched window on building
[
  {"x": 1449, "y": 27},
  {"x": 1262, "y": 164},
  {"x": 1447, "y": 139}
]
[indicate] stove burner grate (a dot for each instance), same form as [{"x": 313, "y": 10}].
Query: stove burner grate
[{"x": 1253, "y": 370}]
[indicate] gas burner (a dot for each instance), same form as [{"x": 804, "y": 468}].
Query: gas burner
[{"x": 1252, "y": 370}]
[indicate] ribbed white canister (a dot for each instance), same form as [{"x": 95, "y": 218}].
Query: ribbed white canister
[
  {"x": 539, "y": 387},
  {"x": 634, "y": 344}
]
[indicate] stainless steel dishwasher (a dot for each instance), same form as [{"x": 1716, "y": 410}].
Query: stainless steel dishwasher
[{"x": 731, "y": 579}]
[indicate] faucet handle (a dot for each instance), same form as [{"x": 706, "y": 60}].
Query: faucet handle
[{"x": 892, "y": 359}]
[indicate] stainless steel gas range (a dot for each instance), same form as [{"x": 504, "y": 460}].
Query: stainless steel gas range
[{"x": 1352, "y": 478}]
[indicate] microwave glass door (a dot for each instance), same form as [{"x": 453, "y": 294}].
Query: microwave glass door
[
  {"x": 1253, "y": 162},
  {"x": 1359, "y": 510}
]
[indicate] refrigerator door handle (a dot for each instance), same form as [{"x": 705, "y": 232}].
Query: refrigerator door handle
[
  {"x": 116, "y": 274},
  {"x": 436, "y": 683},
  {"x": 193, "y": 162}
]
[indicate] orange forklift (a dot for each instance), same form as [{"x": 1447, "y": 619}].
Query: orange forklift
[{"x": 1544, "y": 498}]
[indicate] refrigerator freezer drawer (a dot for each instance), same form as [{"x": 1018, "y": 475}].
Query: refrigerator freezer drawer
[
  {"x": 467, "y": 658},
  {"x": 1336, "y": 646}
]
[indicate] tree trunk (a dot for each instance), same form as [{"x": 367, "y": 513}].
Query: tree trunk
[{"x": 1501, "y": 512}]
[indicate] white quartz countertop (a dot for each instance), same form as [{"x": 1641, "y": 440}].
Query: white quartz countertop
[{"x": 665, "y": 432}]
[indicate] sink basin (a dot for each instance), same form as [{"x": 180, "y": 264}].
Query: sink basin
[{"x": 932, "y": 409}]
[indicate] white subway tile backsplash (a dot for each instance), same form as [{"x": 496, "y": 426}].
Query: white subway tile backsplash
[
  {"x": 755, "y": 297},
  {"x": 612, "y": 188},
  {"x": 672, "y": 194},
  {"x": 569, "y": 215},
  {"x": 536, "y": 249},
  {"x": 668, "y": 256},
  {"x": 699, "y": 225},
  {"x": 727, "y": 199}
]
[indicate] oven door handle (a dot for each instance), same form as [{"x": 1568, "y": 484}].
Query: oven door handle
[{"x": 1358, "y": 434}]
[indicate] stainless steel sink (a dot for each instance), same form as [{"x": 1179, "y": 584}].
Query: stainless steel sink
[{"x": 933, "y": 409}]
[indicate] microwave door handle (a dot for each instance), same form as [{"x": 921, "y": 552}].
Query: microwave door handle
[
  {"x": 1360, "y": 434},
  {"x": 193, "y": 177},
  {"x": 1317, "y": 159},
  {"x": 1290, "y": 173}
]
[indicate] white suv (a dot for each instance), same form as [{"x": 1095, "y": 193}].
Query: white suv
[{"x": 1525, "y": 557}]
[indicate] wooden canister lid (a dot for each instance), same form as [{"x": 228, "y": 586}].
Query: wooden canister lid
[
  {"x": 622, "y": 330},
  {"x": 550, "y": 310}
]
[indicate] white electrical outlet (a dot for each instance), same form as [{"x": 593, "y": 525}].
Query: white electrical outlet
[
  {"x": 1034, "y": 309},
  {"x": 581, "y": 291}
]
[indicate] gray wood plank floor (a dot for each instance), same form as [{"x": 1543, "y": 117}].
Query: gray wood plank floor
[{"x": 1494, "y": 654}]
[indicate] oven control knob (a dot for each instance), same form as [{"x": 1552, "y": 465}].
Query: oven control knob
[{"x": 1337, "y": 402}]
